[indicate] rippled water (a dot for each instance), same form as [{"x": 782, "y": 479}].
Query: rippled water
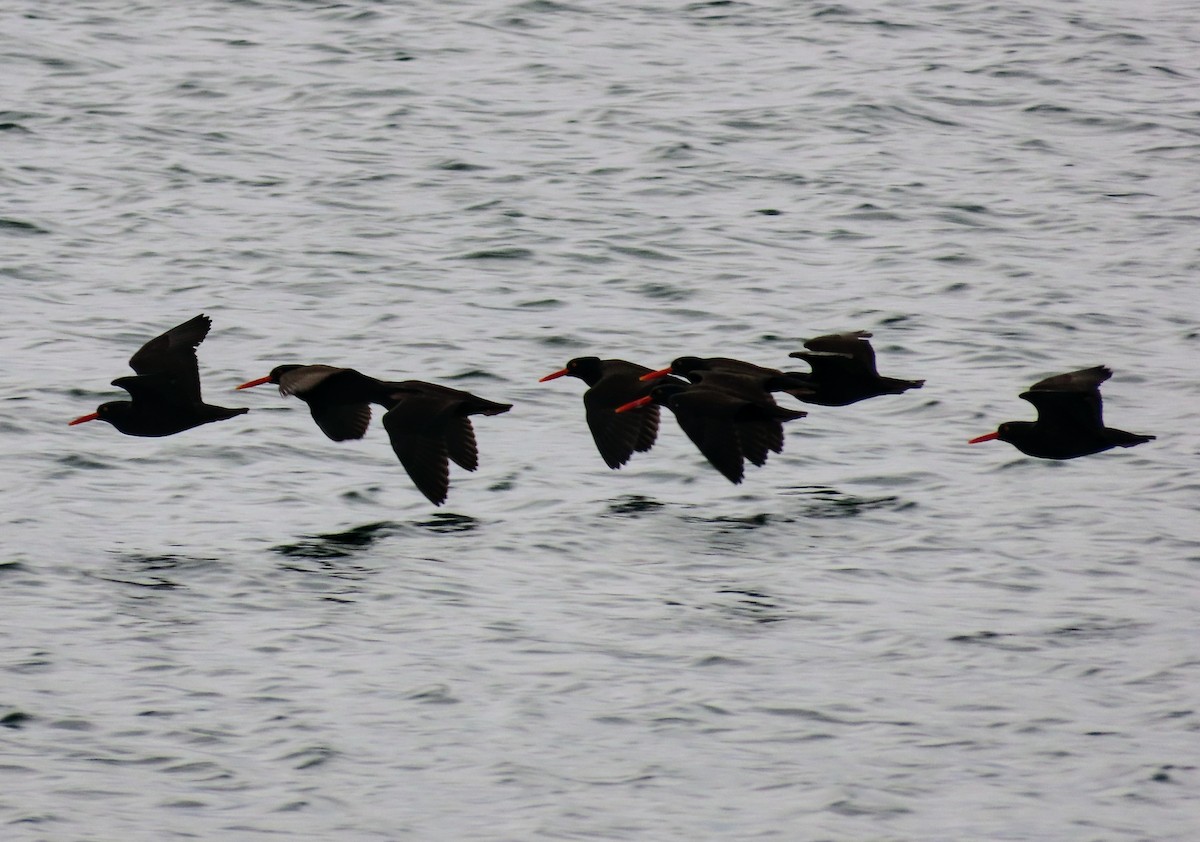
[{"x": 248, "y": 630}]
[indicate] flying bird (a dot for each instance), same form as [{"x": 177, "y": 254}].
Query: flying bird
[
  {"x": 428, "y": 425},
  {"x": 843, "y": 371},
  {"x": 613, "y": 383},
  {"x": 1070, "y": 420},
  {"x": 726, "y": 427},
  {"x": 165, "y": 388}
]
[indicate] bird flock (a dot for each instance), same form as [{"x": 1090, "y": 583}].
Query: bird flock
[{"x": 725, "y": 406}]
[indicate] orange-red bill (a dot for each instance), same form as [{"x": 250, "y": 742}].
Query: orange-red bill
[
  {"x": 640, "y": 402},
  {"x": 654, "y": 375},
  {"x": 92, "y": 417},
  {"x": 988, "y": 437},
  {"x": 257, "y": 382},
  {"x": 560, "y": 373}
]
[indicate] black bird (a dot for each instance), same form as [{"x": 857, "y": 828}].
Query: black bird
[
  {"x": 613, "y": 383},
  {"x": 725, "y": 426},
  {"x": 726, "y": 374},
  {"x": 1070, "y": 419},
  {"x": 166, "y": 388},
  {"x": 428, "y": 425},
  {"x": 843, "y": 371}
]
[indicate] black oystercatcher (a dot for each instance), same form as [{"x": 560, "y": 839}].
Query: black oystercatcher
[
  {"x": 724, "y": 425},
  {"x": 166, "y": 388},
  {"x": 1070, "y": 419},
  {"x": 614, "y": 383},
  {"x": 429, "y": 425},
  {"x": 843, "y": 371}
]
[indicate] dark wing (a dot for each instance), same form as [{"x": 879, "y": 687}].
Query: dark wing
[
  {"x": 459, "y": 436},
  {"x": 853, "y": 344},
  {"x": 1070, "y": 401},
  {"x": 300, "y": 381},
  {"x": 447, "y": 411},
  {"x": 760, "y": 436},
  {"x": 760, "y": 429},
  {"x": 174, "y": 354},
  {"x": 831, "y": 368},
  {"x": 648, "y": 434},
  {"x": 618, "y": 436},
  {"x": 732, "y": 366},
  {"x": 716, "y": 438},
  {"x": 417, "y": 427},
  {"x": 341, "y": 421},
  {"x": 338, "y": 418},
  {"x": 748, "y": 386},
  {"x": 153, "y": 391}
]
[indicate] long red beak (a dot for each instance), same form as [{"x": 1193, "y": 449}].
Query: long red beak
[
  {"x": 554, "y": 376},
  {"x": 988, "y": 437},
  {"x": 257, "y": 382},
  {"x": 83, "y": 418},
  {"x": 639, "y": 403},
  {"x": 654, "y": 375}
]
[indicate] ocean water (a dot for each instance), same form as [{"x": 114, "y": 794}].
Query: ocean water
[{"x": 247, "y": 631}]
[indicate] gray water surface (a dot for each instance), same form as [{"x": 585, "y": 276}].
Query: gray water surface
[{"x": 248, "y": 631}]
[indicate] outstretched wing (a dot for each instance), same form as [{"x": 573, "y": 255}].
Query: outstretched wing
[
  {"x": 1084, "y": 380},
  {"x": 300, "y": 381},
  {"x": 446, "y": 412},
  {"x": 341, "y": 421},
  {"x": 852, "y": 344},
  {"x": 1070, "y": 401},
  {"x": 758, "y": 438},
  {"x": 716, "y": 438},
  {"x": 173, "y": 355},
  {"x": 744, "y": 385},
  {"x": 416, "y": 426},
  {"x": 153, "y": 392},
  {"x": 618, "y": 436}
]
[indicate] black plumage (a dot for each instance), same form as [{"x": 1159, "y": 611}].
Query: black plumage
[
  {"x": 165, "y": 390},
  {"x": 1070, "y": 420},
  {"x": 613, "y": 383},
  {"x": 728, "y": 428},
  {"x": 427, "y": 424},
  {"x": 731, "y": 375},
  {"x": 844, "y": 372}
]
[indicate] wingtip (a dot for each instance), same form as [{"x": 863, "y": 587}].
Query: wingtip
[{"x": 437, "y": 495}]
